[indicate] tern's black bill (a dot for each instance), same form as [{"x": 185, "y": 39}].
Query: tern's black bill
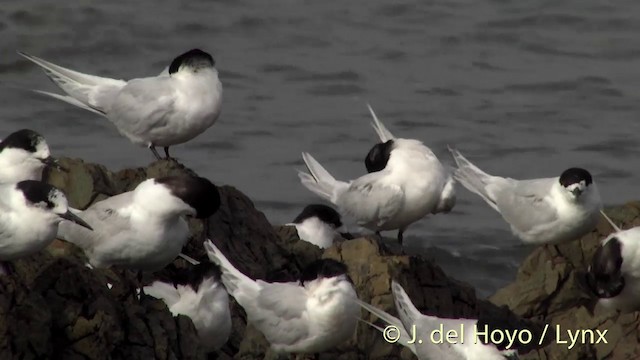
[
  {"x": 76, "y": 219},
  {"x": 50, "y": 161}
]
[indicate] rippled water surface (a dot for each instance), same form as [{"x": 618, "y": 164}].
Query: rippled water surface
[{"x": 523, "y": 88}]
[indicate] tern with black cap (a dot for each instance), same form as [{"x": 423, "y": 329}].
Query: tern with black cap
[
  {"x": 405, "y": 183},
  {"x": 31, "y": 213},
  {"x": 412, "y": 324},
  {"x": 312, "y": 315},
  {"x": 197, "y": 292},
  {"x": 318, "y": 224},
  {"x": 539, "y": 211},
  {"x": 23, "y": 156},
  {"x": 613, "y": 275},
  {"x": 165, "y": 110},
  {"x": 143, "y": 229}
]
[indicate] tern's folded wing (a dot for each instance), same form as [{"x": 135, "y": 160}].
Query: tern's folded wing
[
  {"x": 524, "y": 204},
  {"x": 103, "y": 216},
  {"x": 281, "y": 313},
  {"x": 370, "y": 201},
  {"x": 143, "y": 104}
]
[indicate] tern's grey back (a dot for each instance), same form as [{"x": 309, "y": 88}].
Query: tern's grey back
[
  {"x": 522, "y": 203},
  {"x": 279, "y": 313},
  {"x": 103, "y": 217},
  {"x": 141, "y": 106},
  {"x": 372, "y": 201}
]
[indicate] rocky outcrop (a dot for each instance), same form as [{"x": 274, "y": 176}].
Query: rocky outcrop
[
  {"x": 52, "y": 306},
  {"x": 548, "y": 289}
]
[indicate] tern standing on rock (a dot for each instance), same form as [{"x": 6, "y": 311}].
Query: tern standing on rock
[
  {"x": 539, "y": 211},
  {"x": 143, "y": 229},
  {"x": 406, "y": 182},
  {"x": 165, "y": 110},
  {"x": 23, "y": 156}
]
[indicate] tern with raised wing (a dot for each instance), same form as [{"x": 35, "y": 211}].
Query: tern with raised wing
[{"x": 406, "y": 182}]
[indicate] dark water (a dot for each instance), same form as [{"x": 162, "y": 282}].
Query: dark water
[{"x": 525, "y": 89}]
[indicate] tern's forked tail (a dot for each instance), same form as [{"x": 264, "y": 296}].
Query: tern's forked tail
[
  {"x": 318, "y": 181},
  {"x": 383, "y": 133},
  {"x": 472, "y": 178},
  {"x": 241, "y": 287},
  {"x": 407, "y": 312},
  {"x": 389, "y": 319},
  {"x": 85, "y": 91}
]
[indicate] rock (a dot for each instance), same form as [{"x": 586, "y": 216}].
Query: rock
[
  {"x": 263, "y": 251},
  {"x": 55, "y": 307},
  {"x": 371, "y": 269},
  {"x": 52, "y": 306},
  {"x": 547, "y": 289}
]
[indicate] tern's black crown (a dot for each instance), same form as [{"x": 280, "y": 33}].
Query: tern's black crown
[
  {"x": 199, "y": 193},
  {"x": 194, "y": 58},
  {"x": 24, "y": 139},
  {"x": 574, "y": 176},
  {"x": 37, "y": 192},
  {"x": 378, "y": 156},
  {"x": 323, "y": 212},
  {"x": 323, "y": 268},
  {"x": 605, "y": 277},
  {"x": 191, "y": 275}
]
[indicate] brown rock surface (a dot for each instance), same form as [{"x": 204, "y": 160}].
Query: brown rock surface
[
  {"x": 53, "y": 307},
  {"x": 548, "y": 290}
]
